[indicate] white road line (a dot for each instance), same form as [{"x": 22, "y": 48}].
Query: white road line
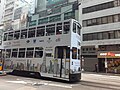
[
  {"x": 19, "y": 82},
  {"x": 58, "y": 85},
  {"x": 41, "y": 83}
]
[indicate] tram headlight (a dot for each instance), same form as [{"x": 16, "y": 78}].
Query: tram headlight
[{"x": 71, "y": 71}]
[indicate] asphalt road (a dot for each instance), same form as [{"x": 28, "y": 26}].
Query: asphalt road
[{"x": 89, "y": 81}]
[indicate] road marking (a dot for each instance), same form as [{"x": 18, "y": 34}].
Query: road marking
[
  {"x": 27, "y": 88},
  {"x": 41, "y": 83},
  {"x": 19, "y": 82},
  {"x": 58, "y": 85}
]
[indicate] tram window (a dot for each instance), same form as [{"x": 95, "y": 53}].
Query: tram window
[
  {"x": 78, "y": 29},
  {"x": 74, "y": 27},
  {"x": 14, "y": 53},
  {"x": 16, "y": 35},
  {"x": 29, "y": 52},
  {"x": 40, "y": 31},
  {"x": 5, "y": 36},
  {"x": 31, "y": 32},
  {"x": 38, "y": 52},
  {"x": 68, "y": 52},
  {"x": 21, "y": 53},
  {"x": 23, "y": 34},
  {"x": 78, "y": 53},
  {"x": 10, "y": 36},
  {"x": 8, "y": 53},
  {"x": 59, "y": 52},
  {"x": 74, "y": 53},
  {"x": 59, "y": 29},
  {"x": 48, "y": 54},
  {"x": 66, "y": 27},
  {"x": 50, "y": 30}
]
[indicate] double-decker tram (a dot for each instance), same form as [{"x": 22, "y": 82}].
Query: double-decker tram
[{"x": 49, "y": 50}]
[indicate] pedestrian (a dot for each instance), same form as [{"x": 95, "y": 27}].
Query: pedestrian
[{"x": 96, "y": 67}]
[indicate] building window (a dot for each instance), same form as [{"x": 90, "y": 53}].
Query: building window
[
  {"x": 40, "y": 31},
  {"x": 119, "y": 17},
  {"x": 99, "y": 21},
  {"x": 85, "y": 37},
  {"x": 94, "y": 36},
  {"x": 111, "y": 35},
  {"x": 14, "y": 53},
  {"x": 38, "y": 52},
  {"x": 105, "y": 35},
  {"x": 66, "y": 27},
  {"x": 21, "y": 53},
  {"x": 89, "y": 22},
  {"x": 116, "y": 3},
  {"x": 94, "y": 21},
  {"x": 31, "y": 32},
  {"x": 98, "y": 7},
  {"x": 100, "y": 36},
  {"x": 117, "y": 34},
  {"x": 104, "y": 20},
  {"x": 55, "y": 18},
  {"x": 116, "y": 18},
  {"x": 33, "y": 23},
  {"x": 50, "y": 30},
  {"x": 59, "y": 28},
  {"x": 23, "y": 34},
  {"x": 84, "y": 23},
  {"x": 29, "y": 52},
  {"x": 42, "y": 21},
  {"x": 110, "y": 19},
  {"x": 69, "y": 15},
  {"x": 90, "y": 36}
]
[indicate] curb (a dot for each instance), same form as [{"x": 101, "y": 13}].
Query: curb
[{"x": 110, "y": 74}]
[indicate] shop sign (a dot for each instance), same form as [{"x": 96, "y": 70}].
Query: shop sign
[{"x": 108, "y": 55}]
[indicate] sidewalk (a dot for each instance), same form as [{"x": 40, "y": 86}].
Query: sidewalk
[{"x": 101, "y": 73}]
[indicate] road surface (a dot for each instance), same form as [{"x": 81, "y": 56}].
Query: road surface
[{"x": 89, "y": 81}]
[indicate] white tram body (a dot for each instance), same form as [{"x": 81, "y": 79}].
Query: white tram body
[{"x": 52, "y": 50}]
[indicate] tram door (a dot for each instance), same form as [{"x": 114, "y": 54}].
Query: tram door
[{"x": 62, "y": 54}]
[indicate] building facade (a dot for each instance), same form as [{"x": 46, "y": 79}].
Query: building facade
[
  {"x": 101, "y": 35},
  {"x": 53, "y": 10},
  {"x": 12, "y": 12},
  {"x": 1, "y": 19},
  {"x": 1, "y": 10}
]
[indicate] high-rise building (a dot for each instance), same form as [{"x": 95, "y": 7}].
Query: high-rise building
[
  {"x": 1, "y": 19},
  {"x": 101, "y": 34},
  {"x": 53, "y": 10},
  {"x": 11, "y": 7},
  {"x": 1, "y": 10}
]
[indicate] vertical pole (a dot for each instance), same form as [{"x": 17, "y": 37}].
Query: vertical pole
[
  {"x": 61, "y": 68},
  {"x": 61, "y": 56}
]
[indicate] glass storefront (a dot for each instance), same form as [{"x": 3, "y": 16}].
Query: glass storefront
[
  {"x": 113, "y": 65},
  {"x": 109, "y": 61}
]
